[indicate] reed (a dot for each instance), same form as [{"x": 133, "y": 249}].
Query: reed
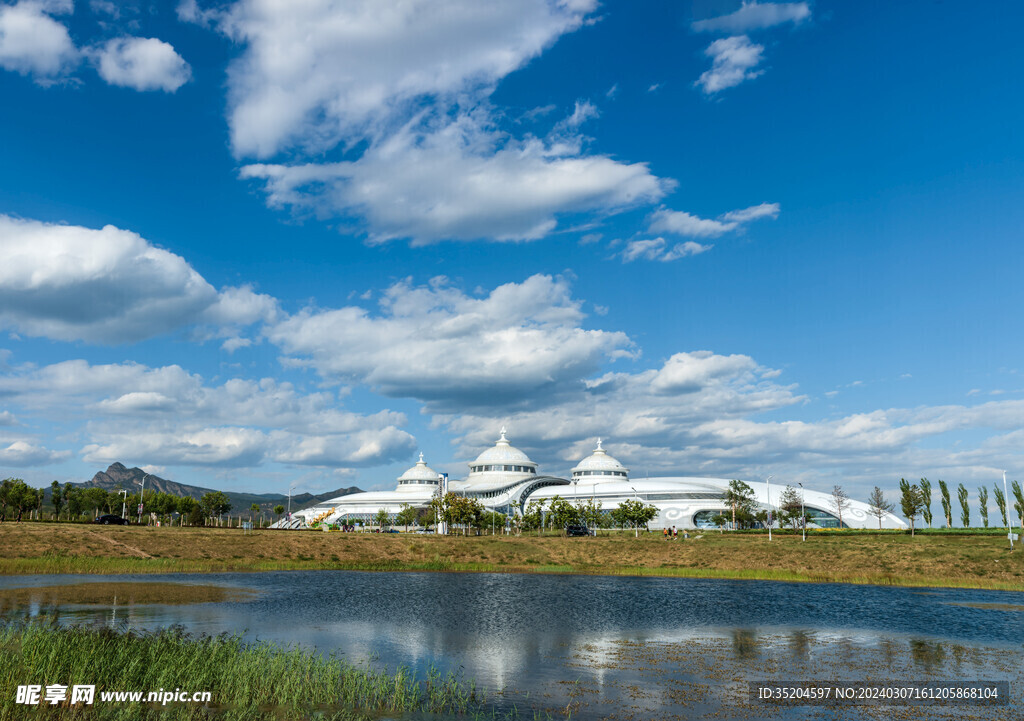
[{"x": 247, "y": 680}]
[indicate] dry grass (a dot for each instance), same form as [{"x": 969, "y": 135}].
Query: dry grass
[{"x": 971, "y": 561}]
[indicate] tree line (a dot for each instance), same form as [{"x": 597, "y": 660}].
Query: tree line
[
  {"x": 20, "y": 501},
  {"x": 463, "y": 514},
  {"x": 916, "y": 500}
]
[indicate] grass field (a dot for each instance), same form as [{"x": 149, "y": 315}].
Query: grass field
[
  {"x": 245, "y": 681},
  {"x": 888, "y": 559}
]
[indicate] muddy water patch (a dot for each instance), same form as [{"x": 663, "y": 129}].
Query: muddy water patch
[{"x": 991, "y": 606}]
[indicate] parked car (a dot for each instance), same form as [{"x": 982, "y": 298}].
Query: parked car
[
  {"x": 577, "y": 530},
  {"x": 111, "y": 520}
]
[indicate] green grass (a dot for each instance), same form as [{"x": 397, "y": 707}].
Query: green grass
[
  {"x": 247, "y": 681},
  {"x": 64, "y": 564}
]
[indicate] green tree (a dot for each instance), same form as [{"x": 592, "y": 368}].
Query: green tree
[
  {"x": 983, "y": 504},
  {"x": 947, "y": 506},
  {"x": 94, "y": 498},
  {"x": 56, "y": 498},
  {"x": 637, "y": 513},
  {"x": 215, "y": 504},
  {"x": 5, "y": 497},
  {"x": 997, "y": 493},
  {"x": 878, "y": 506},
  {"x": 589, "y": 513},
  {"x": 66, "y": 496},
  {"x": 533, "y": 515},
  {"x": 911, "y": 502},
  {"x": 406, "y": 516},
  {"x": 185, "y": 506},
  {"x": 382, "y": 518},
  {"x": 1018, "y": 503},
  {"x": 278, "y": 510},
  {"x": 926, "y": 495},
  {"x": 562, "y": 512},
  {"x": 790, "y": 507},
  {"x": 965, "y": 510},
  {"x": 740, "y": 498}
]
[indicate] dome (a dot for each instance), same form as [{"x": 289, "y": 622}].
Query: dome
[
  {"x": 504, "y": 458},
  {"x": 419, "y": 475},
  {"x": 599, "y": 466},
  {"x": 502, "y": 452}
]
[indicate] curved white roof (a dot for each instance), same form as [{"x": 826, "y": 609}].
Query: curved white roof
[
  {"x": 599, "y": 463},
  {"x": 420, "y": 472},
  {"x": 503, "y": 452}
]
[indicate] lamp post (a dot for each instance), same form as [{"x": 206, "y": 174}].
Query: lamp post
[
  {"x": 142, "y": 496},
  {"x": 636, "y": 528},
  {"x": 1006, "y": 512},
  {"x": 575, "y": 499},
  {"x": 124, "y": 502},
  {"x": 289, "y": 514},
  {"x": 803, "y": 516},
  {"x": 768, "y": 487}
]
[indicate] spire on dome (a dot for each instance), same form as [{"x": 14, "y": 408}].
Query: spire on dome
[
  {"x": 503, "y": 439},
  {"x": 421, "y": 456},
  {"x": 599, "y": 445}
]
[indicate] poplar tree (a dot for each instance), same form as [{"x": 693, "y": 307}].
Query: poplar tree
[
  {"x": 965, "y": 510},
  {"x": 926, "y": 494},
  {"x": 947, "y": 506},
  {"x": 1001, "y": 505},
  {"x": 911, "y": 502},
  {"x": 983, "y": 504}
]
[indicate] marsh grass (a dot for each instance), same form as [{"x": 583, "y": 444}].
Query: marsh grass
[{"x": 247, "y": 680}]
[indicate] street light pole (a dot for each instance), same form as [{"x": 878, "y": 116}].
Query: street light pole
[
  {"x": 767, "y": 483},
  {"x": 636, "y": 528},
  {"x": 803, "y": 516},
  {"x": 142, "y": 496},
  {"x": 1006, "y": 512},
  {"x": 289, "y": 514}
]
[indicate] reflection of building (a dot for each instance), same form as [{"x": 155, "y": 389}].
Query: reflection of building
[{"x": 504, "y": 479}]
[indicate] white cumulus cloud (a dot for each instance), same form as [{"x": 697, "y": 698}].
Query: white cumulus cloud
[
  {"x": 106, "y": 285},
  {"x": 682, "y": 223},
  {"x": 404, "y": 87},
  {"x": 461, "y": 183},
  {"x": 659, "y": 249},
  {"x": 733, "y": 60},
  {"x": 142, "y": 64},
  {"x": 33, "y": 43},
  {"x": 520, "y": 343},
  {"x": 137, "y": 414},
  {"x": 755, "y": 16},
  {"x": 319, "y": 73},
  {"x": 22, "y": 454}
]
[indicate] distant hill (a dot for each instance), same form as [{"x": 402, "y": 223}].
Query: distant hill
[{"x": 118, "y": 476}]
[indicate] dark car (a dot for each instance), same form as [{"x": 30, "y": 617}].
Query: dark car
[
  {"x": 576, "y": 530},
  {"x": 111, "y": 520}
]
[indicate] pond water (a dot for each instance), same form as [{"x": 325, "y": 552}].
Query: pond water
[{"x": 608, "y": 647}]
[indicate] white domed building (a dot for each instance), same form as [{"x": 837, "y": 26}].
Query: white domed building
[
  {"x": 504, "y": 479},
  {"x": 416, "y": 487}
]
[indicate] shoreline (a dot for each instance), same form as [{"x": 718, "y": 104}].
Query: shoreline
[
  {"x": 145, "y": 567},
  {"x": 937, "y": 561}
]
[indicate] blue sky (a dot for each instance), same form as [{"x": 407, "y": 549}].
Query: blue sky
[{"x": 245, "y": 244}]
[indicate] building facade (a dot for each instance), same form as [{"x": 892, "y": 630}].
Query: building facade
[{"x": 504, "y": 479}]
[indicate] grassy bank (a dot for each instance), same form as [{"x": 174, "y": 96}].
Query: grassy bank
[
  {"x": 245, "y": 681},
  {"x": 966, "y": 561}
]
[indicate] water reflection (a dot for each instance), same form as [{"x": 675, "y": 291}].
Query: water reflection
[{"x": 647, "y": 645}]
